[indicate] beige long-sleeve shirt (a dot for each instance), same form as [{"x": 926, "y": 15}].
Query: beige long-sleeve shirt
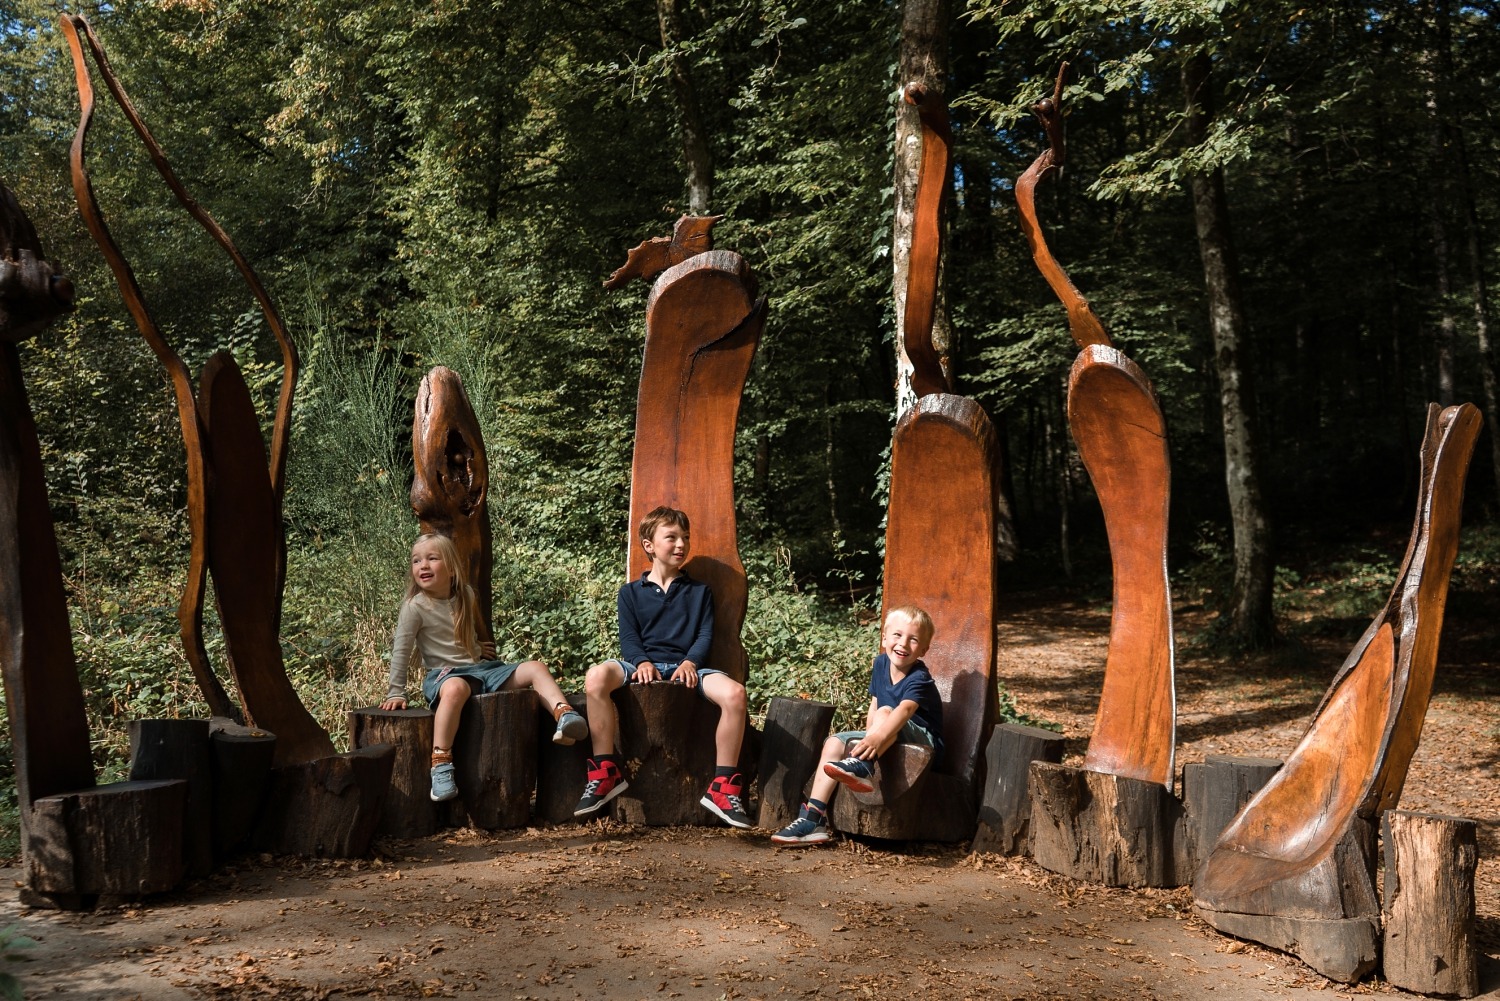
[{"x": 424, "y": 637}]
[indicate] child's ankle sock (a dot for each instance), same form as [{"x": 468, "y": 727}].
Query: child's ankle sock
[
  {"x": 614, "y": 759},
  {"x": 817, "y": 810},
  {"x": 442, "y": 756},
  {"x": 724, "y": 771}
]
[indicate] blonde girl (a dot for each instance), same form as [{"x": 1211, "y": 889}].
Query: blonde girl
[{"x": 438, "y": 622}]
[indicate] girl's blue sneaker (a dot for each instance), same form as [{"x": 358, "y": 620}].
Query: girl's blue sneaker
[{"x": 443, "y": 786}]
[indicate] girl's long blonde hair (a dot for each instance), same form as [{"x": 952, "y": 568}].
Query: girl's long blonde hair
[{"x": 466, "y": 608}]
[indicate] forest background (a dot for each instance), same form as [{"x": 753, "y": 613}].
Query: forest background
[{"x": 449, "y": 182}]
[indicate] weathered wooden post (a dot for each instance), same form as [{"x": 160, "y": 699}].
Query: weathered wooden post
[
  {"x": 1429, "y": 903},
  {"x": 1005, "y": 808},
  {"x": 790, "y": 751}
]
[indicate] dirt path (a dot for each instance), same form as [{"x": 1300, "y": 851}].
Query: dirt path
[{"x": 605, "y": 910}]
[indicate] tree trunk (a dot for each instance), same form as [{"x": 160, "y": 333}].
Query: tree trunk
[
  {"x": 1250, "y": 614},
  {"x": 924, "y": 59},
  {"x": 1447, "y": 326},
  {"x": 695, "y": 152}
]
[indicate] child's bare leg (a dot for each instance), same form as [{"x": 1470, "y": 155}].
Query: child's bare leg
[
  {"x": 451, "y": 698},
  {"x": 729, "y": 695},
  {"x": 598, "y": 685},
  {"x": 823, "y": 785},
  {"x": 533, "y": 674}
]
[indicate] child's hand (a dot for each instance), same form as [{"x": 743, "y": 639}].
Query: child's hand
[
  {"x": 393, "y": 703},
  {"x": 487, "y": 650},
  {"x": 865, "y": 749},
  {"x": 645, "y": 673},
  {"x": 687, "y": 674}
]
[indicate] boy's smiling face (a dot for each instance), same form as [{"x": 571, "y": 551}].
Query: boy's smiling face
[
  {"x": 668, "y": 546},
  {"x": 902, "y": 641}
]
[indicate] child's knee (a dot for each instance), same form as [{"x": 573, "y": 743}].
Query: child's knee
[
  {"x": 834, "y": 747},
  {"x": 454, "y": 689},
  {"x": 732, "y": 697},
  {"x": 602, "y": 679},
  {"x": 531, "y": 671}
]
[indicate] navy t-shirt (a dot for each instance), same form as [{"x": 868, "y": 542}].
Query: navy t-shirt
[
  {"x": 917, "y": 687},
  {"x": 666, "y": 626}
]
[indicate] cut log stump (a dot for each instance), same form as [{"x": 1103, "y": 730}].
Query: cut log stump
[
  {"x": 409, "y": 811},
  {"x": 894, "y": 774},
  {"x": 560, "y": 768},
  {"x": 789, "y": 756},
  {"x": 494, "y": 759},
  {"x": 667, "y": 739},
  {"x": 241, "y": 758},
  {"x": 1005, "y": 808},
  {"x": 119, "y": 841},
  {"x": 328, "y": 808},
  {"x": 1214, "y": 791},
  {"x": 1429, "y": 903},
  {"x": 1102, "y": 828},
  {"x": 179, "y": 749},
  {"x": 938, "y": 807}
]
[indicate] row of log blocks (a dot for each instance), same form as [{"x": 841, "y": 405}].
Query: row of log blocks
[
  {"x": 199, "y": 791},
  {"x": 509, "y": 773}
]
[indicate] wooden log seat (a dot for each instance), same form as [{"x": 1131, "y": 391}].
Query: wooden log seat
[
  {"x": 949, "y": 440},
  {"x": 1005, "y": 808},
  {"x": 1295, "y": 870},
  {"x": 561, "y": 769},
  {"x": 667, "y": 740},
  {"x": 180, "y": 749},
  {"x": 494, "y": 760},
  {"x": 329, "y": 807},
  {"x": 1429, "y": 903},
  {"x": 1102, "y": 828},
  {"x": 791, "y": 749},
  {"x": 241, "y": 758},
  {"x": 1214, "y": 791},
  {"x": 409, "y": 811},
  {"x": 111, "y": 842}
]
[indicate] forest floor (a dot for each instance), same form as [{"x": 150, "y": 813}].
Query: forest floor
[{"x": 609, "y": 910}]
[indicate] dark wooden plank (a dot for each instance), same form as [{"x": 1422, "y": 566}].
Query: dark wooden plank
[
  {"x": 179, "y": 749},
  {"x": 241, "y": 757},
  {"x": 494, "y": 758},
  {"x": 327, "y": 808},
  {"x": 122, "y": 840}
]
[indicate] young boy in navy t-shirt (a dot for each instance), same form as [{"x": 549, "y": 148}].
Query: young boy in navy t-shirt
[
  {"x": 905, "y": 707},
  {"x": 666, "y": 630}
]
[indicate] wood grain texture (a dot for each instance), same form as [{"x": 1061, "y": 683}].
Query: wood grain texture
[
  {"x": 451, "y": 479},
  {"x": 1122, "y": 439},
  {"x": 245, "y": 541},
  {"x": 122, "y": 840},
  {"x": 409, "y": 811},
  {"x": 327, "y": 808},
  {"x": 1288, "y": 854},
  {"x": 927, "y": 242},
  {"x": 1005, "y": 806},
  {"x": 1428, "y": 944},
  {"x": 1102, "y": 828},
  {"x": 703, "y": 323},
  {"x": 790, "y": 752}
]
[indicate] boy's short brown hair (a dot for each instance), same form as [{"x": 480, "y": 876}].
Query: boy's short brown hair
[
  {"x": 917, "y": 617},
  {"x": 659, "y": 516}
]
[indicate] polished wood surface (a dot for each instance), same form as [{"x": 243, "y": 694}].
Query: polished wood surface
[
  {"x": 691, "y": 236},
  {"x": 451, "y": 479},
  {"x": 926, "y": 242},
  {"x": 703, "y": 322},
  {"x": 1282, "y": 856},
  {"x": 1122, "y": 439}
]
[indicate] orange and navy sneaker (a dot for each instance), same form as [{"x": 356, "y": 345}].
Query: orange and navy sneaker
[
  {"x": 724, "y": 800},
  {"x": 605, "y": 782},
  {"x": 852, "y": 772}
]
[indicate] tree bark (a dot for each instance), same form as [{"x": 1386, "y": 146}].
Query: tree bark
[
  {"x": 1250, "y": 613},
  {"x": 923, "y": 58},
  {"x": 697, "y": 157}
]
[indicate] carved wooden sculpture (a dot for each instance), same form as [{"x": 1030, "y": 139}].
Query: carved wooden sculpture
[
  {"x": 234, "y": 488},
  {"x": 944, "y": 469},
  {"x": 1295, "y": 870},
  {"x": 1121, "y": 436},
  {"x": 81, "y": 841},
  {"x": 451, "y": 477}
]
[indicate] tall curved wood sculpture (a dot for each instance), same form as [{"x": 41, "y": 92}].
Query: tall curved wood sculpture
[
  {"x": 234, "y": 488},
  {"x": 944, "y": 477},
  {"x": 1121, "y": 435},
  {"x": 1295, "y": 870},
  {"x": 451, "y": 478},
  {"x": 703, "y": 322}
]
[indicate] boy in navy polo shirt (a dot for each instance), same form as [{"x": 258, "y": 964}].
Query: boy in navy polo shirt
[
  {"x": 666, "y": 629},
  {"x": 905, "y": 707}
]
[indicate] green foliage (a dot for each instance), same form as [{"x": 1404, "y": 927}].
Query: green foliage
[{"x": 12, "y": 946}]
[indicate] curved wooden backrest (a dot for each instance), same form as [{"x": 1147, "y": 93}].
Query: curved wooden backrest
[
  {"x": 1354, "y": 756},
  {"x": 940, "y": 555},
  {"x": 703, "y": 322},
  {"x": 1122, "y": 438},
  {"x": 451, "y": 479}
]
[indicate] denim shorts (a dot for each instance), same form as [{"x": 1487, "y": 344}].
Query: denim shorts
[
  {"x": 667, "y": 670},
  {"x": 483, "y": 678},
  {"x": 912, "y": 733}
]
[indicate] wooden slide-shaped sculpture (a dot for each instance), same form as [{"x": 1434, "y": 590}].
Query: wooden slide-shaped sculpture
[
  {"x": 81, "y": 840},
  {"x": 1121, "y": 436},
  {"x": 235, "y": 491},
  {"x": 703, "y": 322},
  {"x": 944, "y": 469},
  {"x": 1295, "y": 870}
]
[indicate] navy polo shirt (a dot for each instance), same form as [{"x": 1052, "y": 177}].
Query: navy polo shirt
[
  {"x": 666, "y": 627},
  {"x": 917, "y": 687}
]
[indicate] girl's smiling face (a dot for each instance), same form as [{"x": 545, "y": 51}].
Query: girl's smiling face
[{"x": 432, "y": 575}]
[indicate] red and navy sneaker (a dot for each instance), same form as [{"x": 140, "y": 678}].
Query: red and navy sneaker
[
  {"x": 605, "y": 782},
  {"x": 724, "y": 801}
]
